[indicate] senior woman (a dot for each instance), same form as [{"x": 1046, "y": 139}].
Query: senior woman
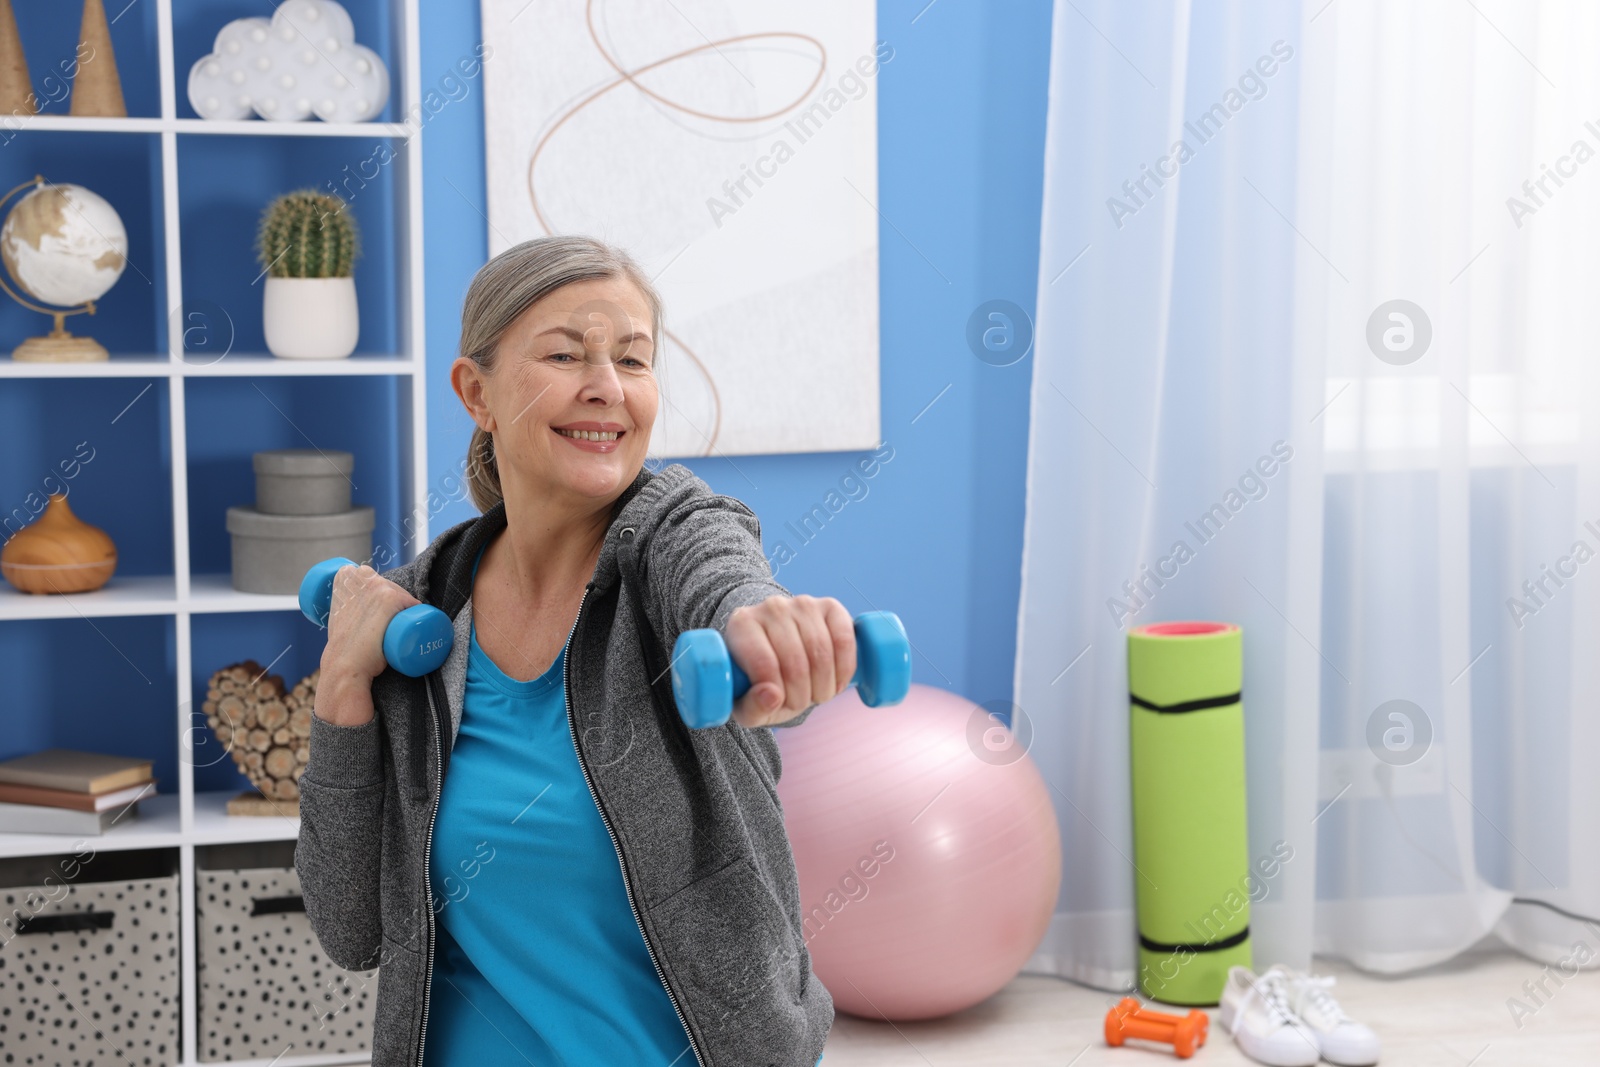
[{"x": 543, "y": 862}]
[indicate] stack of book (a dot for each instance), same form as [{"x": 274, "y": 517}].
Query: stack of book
[{"x": 63, "y": 791}]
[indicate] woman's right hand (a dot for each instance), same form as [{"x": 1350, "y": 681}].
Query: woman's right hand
[{"x": 363, "y": 604}]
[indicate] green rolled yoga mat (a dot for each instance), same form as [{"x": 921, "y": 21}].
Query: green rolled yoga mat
[{"x": 1186, "y": 743}]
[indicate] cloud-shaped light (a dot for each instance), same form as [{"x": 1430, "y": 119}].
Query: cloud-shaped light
[{"x": 303, "y": 62}]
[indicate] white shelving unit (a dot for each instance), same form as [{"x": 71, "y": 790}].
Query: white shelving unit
[{"x": 187, "y": 819}]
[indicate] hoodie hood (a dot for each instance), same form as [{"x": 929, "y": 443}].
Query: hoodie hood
[{"x": 434, "y": 579}]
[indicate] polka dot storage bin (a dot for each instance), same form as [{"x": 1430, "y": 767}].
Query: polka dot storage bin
[
  {"x": 89, "y": 959},
  {"x": 265, "y": 988}
]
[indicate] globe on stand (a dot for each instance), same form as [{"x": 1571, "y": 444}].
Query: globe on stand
[{"x": 66, "y": 246}]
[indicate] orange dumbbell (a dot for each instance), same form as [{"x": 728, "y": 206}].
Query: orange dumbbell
[{"x": 1184, "y": 1033}]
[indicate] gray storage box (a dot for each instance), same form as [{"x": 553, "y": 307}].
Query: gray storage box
[
  {"x": 303, "y": 481},
  {"x": 89, "y": 942},
  {"x": 264, "y": 988},
  {"x": 271, "y": 553}
]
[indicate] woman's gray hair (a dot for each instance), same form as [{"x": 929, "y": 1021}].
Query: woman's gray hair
[{"x": 508, "y": 285}]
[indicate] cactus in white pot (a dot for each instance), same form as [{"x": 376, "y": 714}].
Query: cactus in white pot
[{"x": 308, "y": 244}]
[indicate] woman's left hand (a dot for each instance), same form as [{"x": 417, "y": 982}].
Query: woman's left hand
[{"x": 797, "y": 651}]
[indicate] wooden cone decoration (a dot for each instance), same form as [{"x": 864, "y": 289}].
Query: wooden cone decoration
[
  {"x": 96, "y": 90},
  {"x": 16, "y": 91}
]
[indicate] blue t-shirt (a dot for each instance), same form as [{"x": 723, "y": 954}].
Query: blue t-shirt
[{"x": 537, "y": 958}]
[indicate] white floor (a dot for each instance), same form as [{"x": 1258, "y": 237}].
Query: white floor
[{"x": 1454, "y": 1015}]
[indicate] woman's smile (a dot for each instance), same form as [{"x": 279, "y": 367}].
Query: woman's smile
[{"x": 591, "y": 440}]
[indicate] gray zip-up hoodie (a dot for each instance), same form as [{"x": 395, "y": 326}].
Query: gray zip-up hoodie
[{"x": 694, "y": 814}]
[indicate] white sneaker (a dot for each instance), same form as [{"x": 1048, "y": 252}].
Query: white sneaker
[
  {"x": 1256, "y": 1011},
  {"x": 1342, "y": 1040}
]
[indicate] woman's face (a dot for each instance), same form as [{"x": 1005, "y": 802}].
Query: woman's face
[{"x": 573, "y": 395}]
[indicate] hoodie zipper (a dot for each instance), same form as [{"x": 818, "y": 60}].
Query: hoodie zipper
[
  {"x": 573, "y": 731},
  {"x": 427, "y": 853}
]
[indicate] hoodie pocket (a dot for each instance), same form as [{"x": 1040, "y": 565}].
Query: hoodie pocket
[
  {"x": 725, "y": 943},
  {"x": 397, "y": 1019}
]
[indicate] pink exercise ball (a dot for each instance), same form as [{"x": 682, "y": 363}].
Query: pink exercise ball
[{"x": 927, "y": 849}]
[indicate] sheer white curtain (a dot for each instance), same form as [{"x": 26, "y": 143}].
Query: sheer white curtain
[
  {"x": 1331, "y": 280},
  {"x": 1454, "y": 476}
]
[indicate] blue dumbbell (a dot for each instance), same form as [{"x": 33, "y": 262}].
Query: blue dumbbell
[
  {"x": 706, "y": 681},
  {"x": 418, "y": 639}
]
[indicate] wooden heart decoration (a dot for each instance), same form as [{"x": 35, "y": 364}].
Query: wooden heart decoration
[{"x": 265, "y": 729}]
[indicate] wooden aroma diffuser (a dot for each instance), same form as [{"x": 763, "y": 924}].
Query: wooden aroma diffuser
[{"x": 59, "y": 554}]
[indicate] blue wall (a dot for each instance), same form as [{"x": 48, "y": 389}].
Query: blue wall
[{"x": 938, "y": 535}]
